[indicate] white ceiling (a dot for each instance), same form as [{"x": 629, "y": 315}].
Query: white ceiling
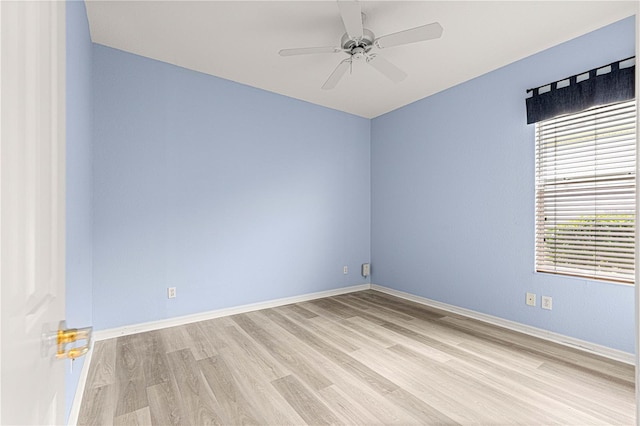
[{"x": 240, "y": 40}]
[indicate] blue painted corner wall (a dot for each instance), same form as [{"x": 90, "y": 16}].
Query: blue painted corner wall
[
  {"x": 231, "y": 194},
  {"x": 79, "y": 121},
  {"x": 453, "y": 199}
]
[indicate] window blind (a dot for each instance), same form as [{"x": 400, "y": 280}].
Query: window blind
[{"x": 585, "y": 193}]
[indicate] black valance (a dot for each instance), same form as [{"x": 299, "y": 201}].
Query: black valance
[{"x": 615, "y": 86}]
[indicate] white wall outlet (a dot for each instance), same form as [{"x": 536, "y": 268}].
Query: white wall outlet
[
  {"x": 366, "y": 269},
  {"x": 171, "y": 292},
  {"x": 345, "y": 269},
  {"x": 531, "y": 299},
  {"x": 547, "y": 302}
]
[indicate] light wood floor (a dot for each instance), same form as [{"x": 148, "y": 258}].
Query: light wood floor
[{"x": 362, "y": 358}]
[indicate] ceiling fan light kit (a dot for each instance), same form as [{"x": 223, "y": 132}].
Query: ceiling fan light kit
[{"x": 358, "y": 42}]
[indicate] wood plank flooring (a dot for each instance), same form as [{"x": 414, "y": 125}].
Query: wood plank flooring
[{"x": 358, "y": 359}]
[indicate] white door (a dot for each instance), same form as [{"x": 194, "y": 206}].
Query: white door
[{"x": 32, "y": 165}]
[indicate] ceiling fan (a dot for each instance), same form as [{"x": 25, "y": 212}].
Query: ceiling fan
[{"x": 358, "y": 43}]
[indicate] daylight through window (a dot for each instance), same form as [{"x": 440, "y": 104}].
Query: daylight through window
[{"x": 585, "y": 193}]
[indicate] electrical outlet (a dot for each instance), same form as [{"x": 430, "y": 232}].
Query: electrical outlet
[
  {"x": 171, "y": 292},
  {"x": 531, "y": 299},
  {"x": 345, "y": 269},
  {"x": 547, "y": 302}
]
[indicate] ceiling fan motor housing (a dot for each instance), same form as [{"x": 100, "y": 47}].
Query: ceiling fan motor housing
[{"x": 359, "y": 46}]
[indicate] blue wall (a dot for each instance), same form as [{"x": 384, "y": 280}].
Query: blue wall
[
  {"x": 79, "y": 245},
  {"x": 453, "y": 199},
  {"x": 231, "y": 194}
]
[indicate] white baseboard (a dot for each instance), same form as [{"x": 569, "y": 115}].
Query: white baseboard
[
  {"x": 82, "y": 381},
  {"x": 203, "y": 316},
  {"x": 617, "y": 355}
]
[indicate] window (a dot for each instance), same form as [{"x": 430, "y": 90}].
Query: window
[{"x": 585, "y": 193}]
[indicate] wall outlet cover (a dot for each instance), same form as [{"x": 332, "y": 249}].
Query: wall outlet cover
[
  {"x": 531, "y": 299},
  {"x": 547, "y": 302}
]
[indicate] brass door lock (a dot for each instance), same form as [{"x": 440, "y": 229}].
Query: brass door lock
[{"x": 70, "y": 335}]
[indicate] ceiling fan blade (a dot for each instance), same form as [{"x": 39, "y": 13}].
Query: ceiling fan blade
[
  {"x": 351, "y": 14},
  {"x": 413, "y": 35},
  {"x": 385, "y": 67},
  {"x": 337, "y": 74},
  {"x": 309, "y": 50}
]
